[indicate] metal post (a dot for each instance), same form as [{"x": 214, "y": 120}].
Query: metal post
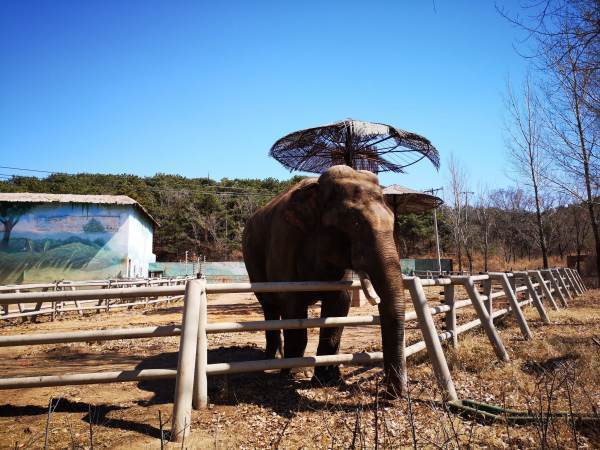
[
  {"x": 514, "y": 303},
  {"x": 200, "y": 398},
  {"x": 486, "y": 321},
  {"x": 451, "y": 315},
  {"x": 437, "y": 241},
  {"x": 430, "y": 336},
  {"x": 536, "y": 299},
  {"x": 184, "y": 381}
]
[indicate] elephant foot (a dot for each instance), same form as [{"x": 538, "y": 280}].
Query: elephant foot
[
  {"x": 328, "y": 376},
  {"x": 301, "y": 373},
  {"x": 392, "y": 390}
]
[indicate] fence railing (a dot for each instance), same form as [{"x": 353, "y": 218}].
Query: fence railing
[
  {"x": 193, "y": 368},
  {"x": 37, "y": 304}
]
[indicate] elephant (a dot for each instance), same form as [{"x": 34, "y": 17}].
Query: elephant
[{"x": 317, "y": 231}]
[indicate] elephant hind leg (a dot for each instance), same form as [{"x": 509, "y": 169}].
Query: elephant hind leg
[{"x": 333, "y": 305}]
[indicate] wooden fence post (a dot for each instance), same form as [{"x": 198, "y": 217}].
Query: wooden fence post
[
  {"x": 485, "y": 319},
  {"x": 563, "y": 286},
  {"x": 77, "y": 303},
  {"x": 574, "y": 280},
  {"x": 487, "y": 291},
  {"x": 430, "y": 336},
  {"x": 200, "y": 398},
  {"x": 514, "y": 303},
  {"x": 545, "y": 289},
  {"x": 451, "y": 315},
  {"x": 536, "y": 299},
  {"x": 578, "y": 275},
  {"x": 557, "y": 288},
  {"x": 578, "y": 280},
  {"x": 561, "y": 280},
  {"x": 184, "y": 380},
  {"x": 513, "y": 284},
  {"x": 569, "y": 277}
]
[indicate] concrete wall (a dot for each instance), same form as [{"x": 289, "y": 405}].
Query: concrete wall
[{"x": 139, "y": 245}]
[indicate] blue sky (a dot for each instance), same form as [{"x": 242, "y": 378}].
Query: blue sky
[{"x": 198, "y": 88}]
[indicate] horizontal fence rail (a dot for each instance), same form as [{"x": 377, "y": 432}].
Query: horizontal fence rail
[
  {"x": 193, "y": 369},
  {"x": 79, "y": 296}
]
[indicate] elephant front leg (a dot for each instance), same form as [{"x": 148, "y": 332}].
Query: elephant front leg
[
  {"x": 333, "y": 305},
  {"x": 294, "y": 341},
  {"x": 273, "y": 337}
]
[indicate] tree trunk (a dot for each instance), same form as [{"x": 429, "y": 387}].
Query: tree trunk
[
  {"x": 8, "y": 227},
  {"x": 485, "y": 253}
]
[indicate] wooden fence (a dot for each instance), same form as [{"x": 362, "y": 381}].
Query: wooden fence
[
  {"x": 193, "y": 369},
  {"x": 54, "y": 308}
]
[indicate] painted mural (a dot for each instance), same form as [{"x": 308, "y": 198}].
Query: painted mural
[{"x": 47, "y": 242}]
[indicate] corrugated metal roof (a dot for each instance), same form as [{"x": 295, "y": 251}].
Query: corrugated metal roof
[{"x": 31, "y": 197}]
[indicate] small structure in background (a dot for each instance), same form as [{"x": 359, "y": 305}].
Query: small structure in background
[
  {"x": 403, "y": 200},
  {"x": 47, "y": 237}
]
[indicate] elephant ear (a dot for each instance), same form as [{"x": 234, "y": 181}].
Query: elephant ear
[{"x": 303, "y": 211}]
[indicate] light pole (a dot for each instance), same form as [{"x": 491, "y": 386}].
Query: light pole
[{"x": 433, "y": 191}]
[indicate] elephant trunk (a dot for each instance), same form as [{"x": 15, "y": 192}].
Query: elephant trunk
[{"x": 386, "y": 275}]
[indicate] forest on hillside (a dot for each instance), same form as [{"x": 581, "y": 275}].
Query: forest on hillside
[
  {"x": 206, "y": 218},
  {"x": 201, "y": 216}
]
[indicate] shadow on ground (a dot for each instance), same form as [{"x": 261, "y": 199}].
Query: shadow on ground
[{"x": 268, "y": 390}]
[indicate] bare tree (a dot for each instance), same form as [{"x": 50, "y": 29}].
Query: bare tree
[
  {"x": 566, "y": 47},
  {"x": 457, "y": 210},
  {"x": 485, "y": 221},
  {"x": 524, "y": 140}
]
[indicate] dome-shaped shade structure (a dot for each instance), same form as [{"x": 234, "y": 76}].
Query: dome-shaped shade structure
[
  {"x": 403, "y": 200},
  {"x": 361, "y": 145}
]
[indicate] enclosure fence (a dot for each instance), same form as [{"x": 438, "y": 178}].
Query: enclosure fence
[
  {"x": 38, "y": 306},
  {"x": 541, "y": 288}
]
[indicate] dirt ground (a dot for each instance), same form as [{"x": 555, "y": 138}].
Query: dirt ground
[{"x": 558, "y": 370}]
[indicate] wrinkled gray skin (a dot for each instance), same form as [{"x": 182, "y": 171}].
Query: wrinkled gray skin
[{"x": 316, "y": 231}]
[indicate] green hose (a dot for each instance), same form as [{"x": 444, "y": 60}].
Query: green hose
[{"x": 493, "y": 413}]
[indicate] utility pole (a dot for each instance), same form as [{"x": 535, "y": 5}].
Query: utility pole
[
  {"x": 433, "y": 191},
  {"x": 466, "y": 233}
]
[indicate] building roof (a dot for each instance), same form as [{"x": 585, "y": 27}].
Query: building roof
[{"x": 30, "y": 197}]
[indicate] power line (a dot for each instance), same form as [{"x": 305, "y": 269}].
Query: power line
[
  {"x": 245, "y": 191},
  {"x": 205, "y": 189},
  {"x": 226, "y": 191},
  {"x": 28, "y": 170}
]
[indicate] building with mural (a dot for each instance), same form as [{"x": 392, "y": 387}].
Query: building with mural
[{"x": 47, "y": 237}]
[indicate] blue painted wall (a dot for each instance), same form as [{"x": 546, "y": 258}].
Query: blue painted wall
[{"x": 74, "y": 241}]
